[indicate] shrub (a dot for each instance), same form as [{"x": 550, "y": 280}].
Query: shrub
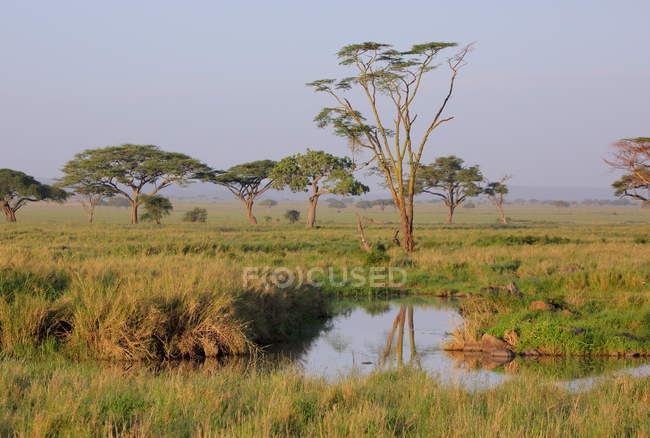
[
  {"x": 196, "y": 214},
  {"x": 156, "y": 207},
  {"x": 292, "y": 216}
]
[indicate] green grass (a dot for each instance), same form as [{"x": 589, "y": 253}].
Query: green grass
[
  {"x": 60, "y": 271},
  {"x": 72, "y": 292},
  {"x": 63, "y": 399}
]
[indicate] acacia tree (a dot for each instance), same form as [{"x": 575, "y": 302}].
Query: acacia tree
[
  {"x": 268, "y": 203},
  {"x": 496, "y": 192},
  {"x": 364, "y": 205},
  {"x": 632, "y": 156},
  {"x": 317, "y": 173},
  {"x": 17, "y": 189},
  {"x": 389, "y": 78},
  {"x": 90, "y": 193},
  {"x": 383, "y": 203},
  {"x": 248, "y": 181},
  {"x": 128, "y": 170},
  {"x": 337, "y": 204},
  {"x": 447, "y": 179}
]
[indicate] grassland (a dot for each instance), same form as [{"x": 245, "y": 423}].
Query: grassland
[
  {"x": 596, "y": 271},
  {"x": 71, "y": 293},
  {"x": 66, "y": 399}
]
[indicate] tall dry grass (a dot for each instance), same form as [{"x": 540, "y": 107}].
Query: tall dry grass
[{"x": 63, "y": 399}]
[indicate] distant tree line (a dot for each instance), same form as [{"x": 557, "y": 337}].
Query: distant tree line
[{"x": 133, "y": 175}]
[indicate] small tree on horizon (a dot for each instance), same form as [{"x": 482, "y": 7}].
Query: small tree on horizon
[
  {"x": 248, "y": 181},
  {"x": 130, "y": 169},
  {"x": 268, "y": 203},
  {"x": 632, "y": 156},
  {"x": 317, "y": 173},
  {"x": 337, "y": 204},
  {"x": 17, "y": 189},
  {"x": 496, "y": 192},
  {"x": 383, "y": 203},
  {"x": 89, "y": 193},
  {"x": 448, "y": 179},
  {"x": 364, "y": 205}
]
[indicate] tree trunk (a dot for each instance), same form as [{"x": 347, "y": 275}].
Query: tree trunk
[
  {"x": 399, "y": 348},
  {"x": 10, "y": 214},
  {"x": 411, "y": 332},
  {"x": 311, "y": 214},
  {"x": 408, "y": 243},
  {"x": 504, "y": 219},
  {"x": 450, "y": 215},
  {"x": 134, "y": 212},
  {"x": 90, "y": 212},
  {"x": 249, "y": 212},
  {"x": 362, "y": 235}
]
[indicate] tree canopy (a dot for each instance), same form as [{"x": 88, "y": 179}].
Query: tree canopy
[
  {"x": 247, "y": 181},
  {"x": 389, "y": 81},
  {"x": 496, "y": 192},
  {"x": 130, "y": 169},
  {"x": 17, "y": 189},
  {"x": 364, "y": 205},
  {"x": 318, "y": 173},
  {"x": 269, "y": 203},
  {"x": 448, "y": 179},
  {"x": 336, "y": 203},
  {"x": 156, "y": 207},
  {"x": 632, "y": 156}
]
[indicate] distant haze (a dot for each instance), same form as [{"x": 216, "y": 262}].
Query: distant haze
[{"x": 548, "y": 88}]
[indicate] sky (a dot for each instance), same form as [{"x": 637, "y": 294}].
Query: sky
[{"x": 547, "y": 89}]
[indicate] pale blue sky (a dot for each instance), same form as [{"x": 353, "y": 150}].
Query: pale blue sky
[{"x": 550, "y": 85}]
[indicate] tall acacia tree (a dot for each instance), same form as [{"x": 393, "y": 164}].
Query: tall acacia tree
[
  {"x": 248, "y": 181},
  {"x": 632, "y": 156},
  {"x": 391, "y": 81},
  {"x": 448, "y": 179},
  {"x": 317, "y": 173},
  {"x": 17, "y": 189},
  {"x": 129, "y": 170},
  {"x": 496, "y": 192}
]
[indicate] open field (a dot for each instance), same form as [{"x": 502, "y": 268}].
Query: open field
[
  {"x": 73, "y": 293},
  {"x": 231, "y": 213}
]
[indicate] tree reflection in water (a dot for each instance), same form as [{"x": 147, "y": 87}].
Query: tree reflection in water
[{"x": 394, "y": 357}]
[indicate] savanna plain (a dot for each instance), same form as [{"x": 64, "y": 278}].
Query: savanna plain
[{"x": 109, "y": 329}]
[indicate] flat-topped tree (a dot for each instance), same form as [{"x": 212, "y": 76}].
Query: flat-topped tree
[
  {"x": 129, "y": 170},
  {"x": 383, "y": 203},
  {"x": 632, "y": 156},
  {"x": 390, "y": 81},
  {"x": 496, "y": 192},
  {"x": 248, "y": 181},
  {"x": 317, "y": 173},
  {"x": 268, "y": 203},
  {"x": 336, "y": 203},
  {"x": 448, "y": 179},
  {"x": 89, "y": 193},
  {"x": 17, "y": 189}
]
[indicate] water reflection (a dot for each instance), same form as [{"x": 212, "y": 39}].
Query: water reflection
[
  {"x": 370, "y": 335},
  {"x": 382, "y": 335}
]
